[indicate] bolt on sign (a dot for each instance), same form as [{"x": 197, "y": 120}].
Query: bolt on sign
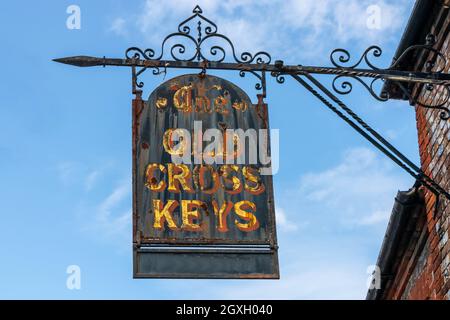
[{"x": 203, "y": 202}]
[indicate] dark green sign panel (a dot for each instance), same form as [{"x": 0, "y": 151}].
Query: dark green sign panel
[{"x": 203, "y": 195}]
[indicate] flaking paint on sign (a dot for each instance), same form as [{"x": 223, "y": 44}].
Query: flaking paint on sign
[{"x": 195, "y": 219}]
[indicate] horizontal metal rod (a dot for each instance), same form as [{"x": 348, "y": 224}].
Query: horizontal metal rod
[{"x": 278, "y": 66}]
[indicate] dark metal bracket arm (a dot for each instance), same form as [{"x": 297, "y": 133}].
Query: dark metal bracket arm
[{"x": 198, "y": 45}]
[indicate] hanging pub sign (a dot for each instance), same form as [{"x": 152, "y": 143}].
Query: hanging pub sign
[
  {"x": 202, "y": 186},
  {"x": 203, "y": 202}
]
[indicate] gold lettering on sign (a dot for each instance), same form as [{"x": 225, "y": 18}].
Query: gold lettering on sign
[
  {"x": 256, "y": 186},
  {"x": 214, "y": 176},
  {"x": 217, "y": 185},
  {"x": 190, "y": 98},
  {"x": 163, "y": 213},
  {"x": 240, "y": 106},
  {"x": 217, "y": 87},
  {"x": 189, "y": 212},
  {"x": 161, "y": 103},
  {"x": 191, "y": 215},
  {"x": 242, "y": 210},
  {"x": 182, "y": 99},
  {"x": 220, "y": 104},
  {"x": 226, "y": 172},
  {"x": 168, "y": 142},
  {"x": 179, "y": 174},
  {"x": 222, "y": 213},
  {"x": 150, "y": 180},
  {"x": 202, "y": 104}
]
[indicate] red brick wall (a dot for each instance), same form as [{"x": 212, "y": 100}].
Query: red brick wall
[{"x": 424, "y": 271}]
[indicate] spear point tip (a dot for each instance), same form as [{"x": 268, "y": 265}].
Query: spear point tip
[{"x": 79, "y": 61}]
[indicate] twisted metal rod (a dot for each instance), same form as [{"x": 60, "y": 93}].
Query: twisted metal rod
[{"x": 374, "y": 137}]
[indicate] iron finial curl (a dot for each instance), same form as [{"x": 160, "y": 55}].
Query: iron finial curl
[
  {"x": 204, "y": 45},
  {"x": 341, "y": 84}
]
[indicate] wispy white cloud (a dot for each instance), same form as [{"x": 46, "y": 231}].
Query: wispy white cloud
[
  {"x": 350, "y": 19},
  {"x": 91, "y": 179},
  {"x": 74, "y": 174},
  {"x": 284, "y": 222},
  {"x": 358, "y": 191},
  {"x": 392, "y": 134},
  {"x": 119, "y": 26},
  {"x": 376, "y": 217},
  {"x": 111, "y": 216},
  {"x": 67, "y": 171}
]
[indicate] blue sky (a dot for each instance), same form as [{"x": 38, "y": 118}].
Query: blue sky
[{"x": 65, "y": 145}]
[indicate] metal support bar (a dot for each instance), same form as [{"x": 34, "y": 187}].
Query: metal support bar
[
  {"x": 387, "y": 74},
  {"x": 371, "y": 135}
]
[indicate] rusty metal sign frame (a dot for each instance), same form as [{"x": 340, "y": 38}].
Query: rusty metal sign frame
[
  {"x": 198, "y": 46},
  {"x": 165, "y": 254}
]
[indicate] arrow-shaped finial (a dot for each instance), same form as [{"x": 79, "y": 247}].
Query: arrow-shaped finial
[
  {"x": 82, "y": 61},
  {"x": 197, "y": 9}
]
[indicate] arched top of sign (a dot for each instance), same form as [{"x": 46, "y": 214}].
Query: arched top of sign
[{"x": 202, "y": 84}]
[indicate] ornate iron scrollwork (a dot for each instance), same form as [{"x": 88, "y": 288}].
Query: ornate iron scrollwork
[
  {"x": 278, "y": 76},
  {"x": 445, "y": 111},
  {"x": 204, "y": 45},
  {"x": 344, "y": 57},
  {"x": 342, "y": 85},
  {"x": 261, "y": 85},
  {"x": 345, "y": 87},
  {"x": 156, "y": 71}
]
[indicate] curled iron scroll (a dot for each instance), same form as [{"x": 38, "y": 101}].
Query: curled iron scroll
[
  {"x": 342, "y": 84},
  {"x": 340, "y": 57},
  {"x": 278, "y": 76},
  {"x": 440, "y": 105},
  {"x": 204, "y": 45},
  {"x": 258, "y": 85}
]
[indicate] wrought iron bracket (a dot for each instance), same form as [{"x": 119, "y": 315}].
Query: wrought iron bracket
[{"x": 197, "y": 44}]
